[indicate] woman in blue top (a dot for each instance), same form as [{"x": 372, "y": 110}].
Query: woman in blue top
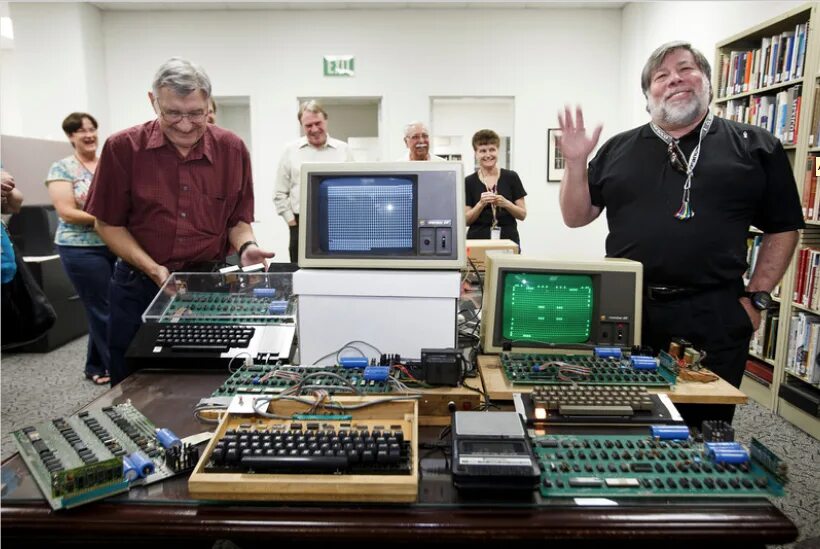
[
  {"x": 12, "y": 201},
  {"x": 85, "y": 257}
]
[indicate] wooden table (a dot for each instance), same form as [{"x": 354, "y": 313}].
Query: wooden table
[
  {"x": 683, "y": 392},
  {"x": 165, "y": 514}
]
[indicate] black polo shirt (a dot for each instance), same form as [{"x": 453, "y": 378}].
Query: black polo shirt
[{"x": 743, "y": 178}]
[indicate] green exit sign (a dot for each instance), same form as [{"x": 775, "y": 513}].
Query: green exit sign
[{"x": 339, "y": 65}]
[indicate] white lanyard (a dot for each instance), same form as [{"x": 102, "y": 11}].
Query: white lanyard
[{"x": 685, "y": 212}]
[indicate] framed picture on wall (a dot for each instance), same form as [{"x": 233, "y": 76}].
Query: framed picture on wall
[{"x": 555, "y": 160}]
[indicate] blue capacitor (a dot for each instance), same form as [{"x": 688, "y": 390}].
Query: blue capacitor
[
  {"x": 670, "y": 432},
  {"x": 353, "y": 362},
  {"x": 608, "y": 352},
  {"x": 724, "y": 445},
  {"x": 727, "y": 455},
  {"x": 376, "y": 373},
  {"x": 264, "y": 292},
  {"x": 167, "y": 438},
  {"x": 142, "y": 463},
  {"x": 277, "y": 307},
  {"x": 128, "y": 470},
  {"x": 643, "y": 362}
]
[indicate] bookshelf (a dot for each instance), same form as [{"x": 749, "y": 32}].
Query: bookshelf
[{"x": 769, "y": 76}]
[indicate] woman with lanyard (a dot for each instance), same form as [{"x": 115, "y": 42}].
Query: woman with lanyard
[
  {"x": 494, "y": 196},
  {"x": 85, "y": 257}
]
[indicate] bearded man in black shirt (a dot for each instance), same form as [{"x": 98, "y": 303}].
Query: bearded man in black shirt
[{"x": 680, "y": 194}]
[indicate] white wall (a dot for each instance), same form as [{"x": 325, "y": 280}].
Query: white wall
[
  {"x": 404, "y": 56},
  {"x": 56, "y": 67},
  {"x": 69, "y": 57}
]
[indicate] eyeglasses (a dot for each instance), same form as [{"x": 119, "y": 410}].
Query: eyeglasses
[
  {"x": 173, "y": 117},
  {"x": 675, "y": 154}
]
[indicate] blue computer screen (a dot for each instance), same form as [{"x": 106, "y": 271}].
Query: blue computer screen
[{"x": 367, "y": 215}]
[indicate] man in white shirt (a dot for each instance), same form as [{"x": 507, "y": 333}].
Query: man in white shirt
[
  {"x": 417, "y": 139},
  {"x": 315, "y": 146}
]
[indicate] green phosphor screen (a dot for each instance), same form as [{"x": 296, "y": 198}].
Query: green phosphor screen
[{"x": 547, "y": 308}]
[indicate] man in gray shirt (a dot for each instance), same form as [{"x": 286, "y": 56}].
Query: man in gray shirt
[{"x": 315, "y": 146}]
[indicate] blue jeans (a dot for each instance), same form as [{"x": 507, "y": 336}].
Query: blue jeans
[
  {"x": 89, "y": 268},
  {"x": 130, "y": 294}
]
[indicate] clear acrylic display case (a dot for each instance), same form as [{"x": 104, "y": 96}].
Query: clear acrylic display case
[{"x": 224, "y": 298}]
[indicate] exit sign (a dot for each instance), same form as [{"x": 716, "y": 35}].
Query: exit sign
[{"x": 339, "y": 65}]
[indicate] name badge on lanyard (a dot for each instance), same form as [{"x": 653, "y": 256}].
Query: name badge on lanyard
[{"x": 495, "y": 233}]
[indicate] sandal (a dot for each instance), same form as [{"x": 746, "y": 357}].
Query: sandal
[{"x": 98, "y": 379}]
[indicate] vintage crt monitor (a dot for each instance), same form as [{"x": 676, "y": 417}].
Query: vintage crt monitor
[
  {"x": 477, "y": 250},
  {"x": 382, "y": 215},
  {"x": 537, "y": 305}
]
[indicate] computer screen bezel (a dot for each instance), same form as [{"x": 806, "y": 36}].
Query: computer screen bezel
[
  {"x": 413, "y": 261},
  {"x": 492, "y": 302}
]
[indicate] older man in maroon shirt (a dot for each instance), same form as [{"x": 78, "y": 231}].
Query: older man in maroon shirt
[{"x": 169, "y": 195}]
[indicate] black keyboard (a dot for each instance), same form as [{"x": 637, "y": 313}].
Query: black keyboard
[
  {"x": 203, "y": 337},
  {"x": 292, "y": 449},
  {"x": 592, "y": 400}
]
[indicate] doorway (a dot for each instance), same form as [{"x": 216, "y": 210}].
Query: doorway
[
  {"x": 233, "y": 112},
  {"x": 356, "y": 121},
  {"x": 454, "y": 120}
]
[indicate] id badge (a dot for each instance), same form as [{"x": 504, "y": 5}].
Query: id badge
[{"x": 495, "y": 233}]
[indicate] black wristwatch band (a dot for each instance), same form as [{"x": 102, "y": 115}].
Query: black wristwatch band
[
  {"x": 761, "y": 300},
  {"x": 244, "y": 247}
]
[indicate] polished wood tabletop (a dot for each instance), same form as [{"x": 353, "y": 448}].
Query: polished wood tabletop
[{"x": 166, "y": 514}]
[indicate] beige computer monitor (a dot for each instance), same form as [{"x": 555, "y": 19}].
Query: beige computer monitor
[
  {"x": 560, "y": 304},
  {"x": 382, "y": 215},
  {"x": 477, "y": 251}
]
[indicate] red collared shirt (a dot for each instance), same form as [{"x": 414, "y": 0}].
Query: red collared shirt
[{"x": 178, "y": 209}]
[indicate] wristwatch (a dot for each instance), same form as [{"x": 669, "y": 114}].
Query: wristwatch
[
  {"x": 760, "y": 300},
  {"x": 244, "y": 246}
]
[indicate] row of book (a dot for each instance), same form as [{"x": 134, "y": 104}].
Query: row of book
[
  {"x": 806, "y": 283},
  {"x": 780, "y": 58},
  {"x": 778, "y": 113},
  {"x": 814, "y": 132},
  {"x": 810, "y": 197},
  {"x": 753, "y": 244},
  {"x": 752, "y": 249},
  {"x": 804, "y": 347},
  {"x": 764, "y": 340},
  {"x": 761, "y": 371}
]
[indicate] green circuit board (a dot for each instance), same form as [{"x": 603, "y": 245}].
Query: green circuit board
[
  {"x": 266, "y": 379},
  {"x": 228, "y": 308},
  {"x": 549, "y": 369},
  {"x": 78, "y": 459},
  {"x": 642, "y": 466}
]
